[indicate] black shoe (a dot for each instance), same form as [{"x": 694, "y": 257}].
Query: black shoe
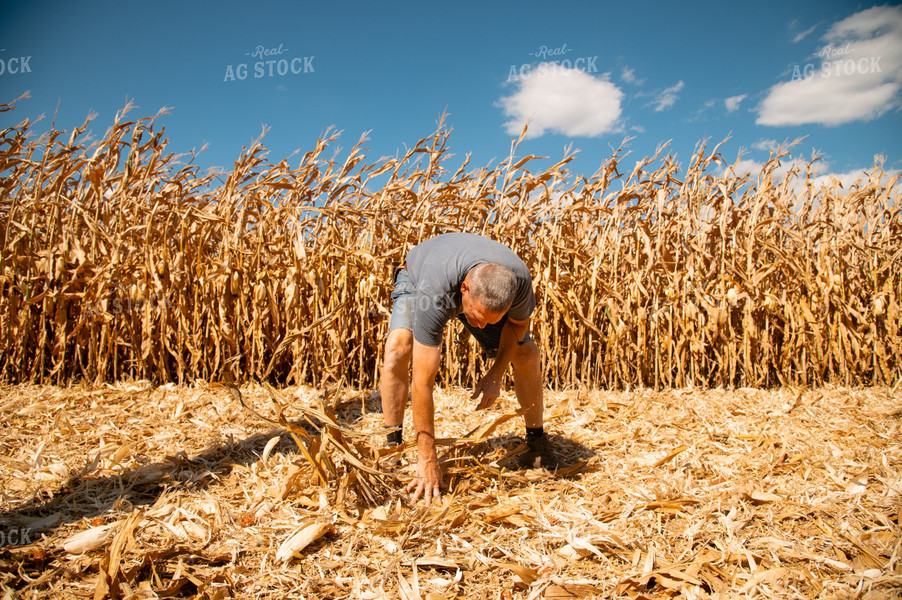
[{"x": 539, "y": 455}]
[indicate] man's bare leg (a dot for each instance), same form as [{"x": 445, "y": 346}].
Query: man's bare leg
[
  {"x": 529, "y": 388},
  {"x": 395, "y": 382},
  {"x": 527, "y": 363}
]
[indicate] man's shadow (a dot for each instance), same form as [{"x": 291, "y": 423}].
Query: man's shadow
[
  {"x": 496, "y": 453},
  {"x": 86, "y": 496},
  {"x": 471, "y": 466},
  {"x": 349, "y": 411},
  {"x": 502, "y": 450}
]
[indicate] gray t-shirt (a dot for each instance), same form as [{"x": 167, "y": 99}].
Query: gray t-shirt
[{"x": 439, "y": 265}]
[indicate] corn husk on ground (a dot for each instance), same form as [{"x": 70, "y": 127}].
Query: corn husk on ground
[
  {"x": 126, "y": 266},
  {"x": 120, "y": 260},
  {"x": 137, "y": 491}
]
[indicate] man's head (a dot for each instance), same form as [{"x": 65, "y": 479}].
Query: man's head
[{"x": 487, "y": 293}]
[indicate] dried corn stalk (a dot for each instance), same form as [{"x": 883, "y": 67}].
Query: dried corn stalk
[
  {"x": 117, "y": 261},
  {"x": 339, "y": 457}
]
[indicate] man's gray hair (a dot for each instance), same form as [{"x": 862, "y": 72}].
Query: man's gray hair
[{"x": 494, "y": 286}]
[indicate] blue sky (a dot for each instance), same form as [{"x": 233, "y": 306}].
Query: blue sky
[{"x": 761, "y": 73}]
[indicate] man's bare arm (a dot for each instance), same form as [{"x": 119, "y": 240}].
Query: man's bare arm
[
  {"x": 489, "y": 387},
  {"x": 426, "y": 361}
]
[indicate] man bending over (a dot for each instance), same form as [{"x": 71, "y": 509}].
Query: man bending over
[{"x": 485, "y": 285}]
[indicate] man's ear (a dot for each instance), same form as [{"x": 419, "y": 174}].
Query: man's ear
[{"x": 465, "y": 284}]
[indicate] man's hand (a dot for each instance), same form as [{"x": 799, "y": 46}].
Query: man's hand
[
  {"x": 427, "y": 481},
  {"x": 489, "y": 387},
  {"x": 426, "y": 360}
]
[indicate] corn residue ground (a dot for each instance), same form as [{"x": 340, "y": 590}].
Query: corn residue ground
[{"x": 136, "y": 491}]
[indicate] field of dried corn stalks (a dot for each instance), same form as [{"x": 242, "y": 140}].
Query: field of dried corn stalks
[
  {"x": 121, "y": 260},
  {"x": 669, "y": 297}
]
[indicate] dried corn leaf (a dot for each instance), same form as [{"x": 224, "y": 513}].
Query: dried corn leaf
[
  {"x": 90, "y": 539},
  {"x": 571, "y": 590},
  {"x": 300, "y": 539}
]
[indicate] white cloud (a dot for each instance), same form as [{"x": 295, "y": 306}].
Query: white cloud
[
  {"x": 745, "y": 166},
  {"x": 667, "y": 98},
  {"x": 855, "y": 76},
  {"x": 847, "y": 179},
  {"x": 822, "y": 176},
  {"x": 801, "y": 35},
  {"x": 732, "y": 103},
  {"x": 766, "y": 145},
  {"x": 561, "y": 100},
  {"x": 700, "y": 113},
  {"x": 629, "y": 76}
]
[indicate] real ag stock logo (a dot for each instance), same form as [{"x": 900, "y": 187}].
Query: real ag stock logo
[
  {"x": 270, "y": 63},
  {"x": 14, "y": 65},
  {"x": 549, "y": 60},
  {"x": 838, "y": 62},
  {"x": 15, "y": 537}
]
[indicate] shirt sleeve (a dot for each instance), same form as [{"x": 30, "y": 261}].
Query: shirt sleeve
[{"x": 524, "y": 302}]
